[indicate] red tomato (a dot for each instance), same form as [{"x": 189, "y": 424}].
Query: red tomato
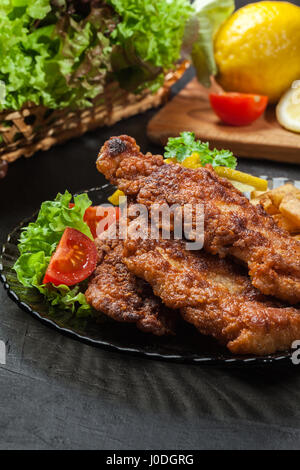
[
  {"x": 73, "y": 261},
  {"x": 94, "y": 214},
  {"x": 238, "y": 109}
]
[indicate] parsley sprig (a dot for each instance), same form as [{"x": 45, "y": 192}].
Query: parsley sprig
[{"x": 182, "y": 147}]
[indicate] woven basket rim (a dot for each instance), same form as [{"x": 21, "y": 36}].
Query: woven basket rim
[
  {"x": 36, "y": 127},
  {"x": 170, "y": 76}
]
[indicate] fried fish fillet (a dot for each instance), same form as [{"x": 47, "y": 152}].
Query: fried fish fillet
[
  {"x": 117, "y": 293},
  {"x": 233, "y": 227},
  {"x": 215, "y": 295}
]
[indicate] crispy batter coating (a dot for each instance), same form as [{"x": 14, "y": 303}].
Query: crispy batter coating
[
  {"x": 117, "y": 293},
  {"x": 232, "y": 225},
  {"x": 215, "y": 295}
]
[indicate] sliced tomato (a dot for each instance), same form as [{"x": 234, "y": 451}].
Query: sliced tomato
[
  {"x": 238, "y": 109},
  {"x": 94, "y": 214},
  {"x": 73, "y": 261}
]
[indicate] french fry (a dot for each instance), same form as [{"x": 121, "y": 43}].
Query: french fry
[
  {"x": 283, "y": 204},
  {"x": 290, "y": 208},
  {"x": 257, "y": 194},
  {"x": 267, "y": 204},
  {"x": 255, "y": 201},
  {"x": 277, "y": 195},
  {"x": 286, "y": 224}
]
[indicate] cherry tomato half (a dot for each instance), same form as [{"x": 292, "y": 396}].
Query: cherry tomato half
[
  {"x": 238, "y": 109},
  {"x": 74, "y": 259},
  {"x": 94, "y": 214}
]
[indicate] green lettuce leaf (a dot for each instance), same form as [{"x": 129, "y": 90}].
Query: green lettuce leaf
[
  {"x": 200, "y": 32},
  {"x": 52, "y": 57},
  {"x": 39, "y": 240},
  {"x": 147, "y": 40},
  {"x": 183, "y": 146}
]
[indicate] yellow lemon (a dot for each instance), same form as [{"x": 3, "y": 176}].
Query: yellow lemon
[{"x": 258, "y": 49}]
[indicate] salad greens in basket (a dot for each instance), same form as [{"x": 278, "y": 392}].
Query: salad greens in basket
[{"x": 60, "y": 53}]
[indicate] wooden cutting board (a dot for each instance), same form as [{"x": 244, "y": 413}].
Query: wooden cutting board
[{"x": 190, "y": 111}]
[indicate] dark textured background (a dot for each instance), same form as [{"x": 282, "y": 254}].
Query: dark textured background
[{"x": 56, "y": 393}]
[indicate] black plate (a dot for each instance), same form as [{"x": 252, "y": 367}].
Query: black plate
[{"x": 187, "y": 346}]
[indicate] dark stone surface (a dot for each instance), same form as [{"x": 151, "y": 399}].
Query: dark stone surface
[{"x": 56, "y": 393}]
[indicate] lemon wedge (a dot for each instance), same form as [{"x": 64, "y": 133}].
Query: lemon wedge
[
  {"x": 244, "y": 188},
  {"x": 288, "y": 108}
]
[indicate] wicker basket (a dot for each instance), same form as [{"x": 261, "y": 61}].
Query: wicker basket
[{"x": 36, "y": 128}]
